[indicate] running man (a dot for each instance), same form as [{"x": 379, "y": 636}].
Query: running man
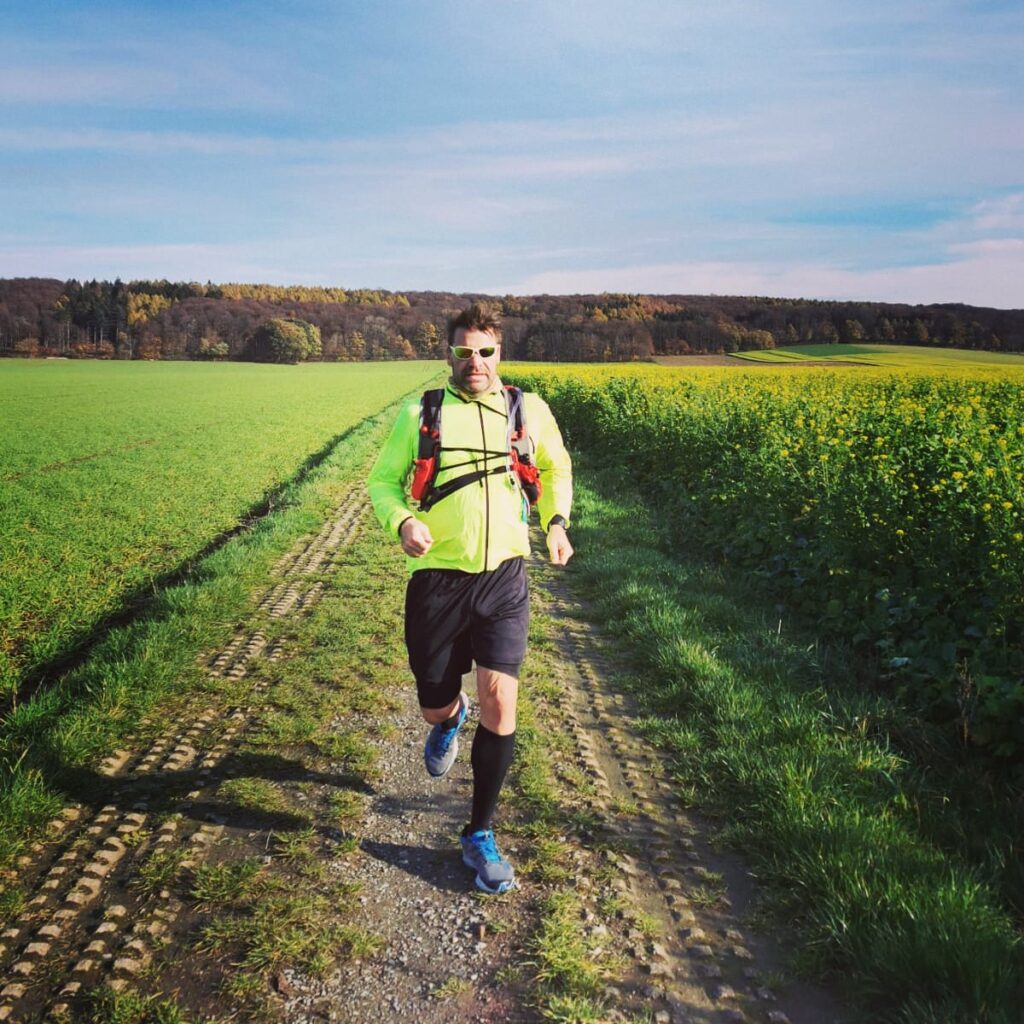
[{"x": 467, "y": 599}]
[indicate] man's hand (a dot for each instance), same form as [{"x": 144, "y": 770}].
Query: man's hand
[
  {"x": 416, "y": 539},
  {"x": 559, "y": 547}
]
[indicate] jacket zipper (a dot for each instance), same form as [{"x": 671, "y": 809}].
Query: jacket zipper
[{"x": 487, "y": 489}]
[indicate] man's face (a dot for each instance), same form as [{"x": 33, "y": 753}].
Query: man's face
[{"x": 474, "y": 374}]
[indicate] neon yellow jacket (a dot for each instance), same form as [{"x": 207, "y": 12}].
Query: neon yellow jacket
[{"x": 480, "y": 525}]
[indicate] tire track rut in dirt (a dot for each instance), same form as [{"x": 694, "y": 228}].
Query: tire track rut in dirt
[
  {"x": 87, "y": 918},
  {"x": 683, "y": 901}
]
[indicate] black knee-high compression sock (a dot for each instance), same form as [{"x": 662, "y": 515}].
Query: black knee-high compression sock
[{"x": 491, "y": 756}]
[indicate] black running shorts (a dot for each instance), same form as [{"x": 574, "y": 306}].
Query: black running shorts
[{"x": 454, "y": 618}]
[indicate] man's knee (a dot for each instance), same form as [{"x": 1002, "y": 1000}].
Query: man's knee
[
  {"x": 498, "y": 693},
  {"x": 433, "y": 716}
]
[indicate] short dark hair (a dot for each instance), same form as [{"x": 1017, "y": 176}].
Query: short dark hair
[{"x": 478, "y": 317}]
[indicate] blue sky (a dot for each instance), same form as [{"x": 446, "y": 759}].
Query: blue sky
[{"x": 867, "y": 151}]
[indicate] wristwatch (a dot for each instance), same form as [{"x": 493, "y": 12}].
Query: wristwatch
[{"x": 557, "y": 521}]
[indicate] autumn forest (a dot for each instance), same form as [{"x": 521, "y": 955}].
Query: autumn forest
[{"x": 168, "y": 320}]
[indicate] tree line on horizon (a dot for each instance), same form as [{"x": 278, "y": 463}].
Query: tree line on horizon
[{"x": 270, "y": 323}]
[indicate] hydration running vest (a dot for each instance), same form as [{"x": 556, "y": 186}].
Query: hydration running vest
[{"x": 428, "y": 463}]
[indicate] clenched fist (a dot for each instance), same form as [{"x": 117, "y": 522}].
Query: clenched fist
[
  {"x": 559, "y": 547},
  {"x": 416, "y": 539}
]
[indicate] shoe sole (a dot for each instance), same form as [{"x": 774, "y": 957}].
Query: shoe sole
[
  {"x": 502, "y": 886},
  {"x": 484, "y": 887}
]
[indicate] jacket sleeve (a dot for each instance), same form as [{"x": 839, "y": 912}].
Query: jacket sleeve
[
  {"x": 386, "y": 482},
  {"x": 551, "y": 459}
]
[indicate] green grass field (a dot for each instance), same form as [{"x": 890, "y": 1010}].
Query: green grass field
[
  {"x": 114, "y": 474},
  {"x": 907, "y": 356}
]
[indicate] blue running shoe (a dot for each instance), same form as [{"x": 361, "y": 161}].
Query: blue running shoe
[
  {"x": 443, "y": 745},
  {"x": 494, "y": 874}
]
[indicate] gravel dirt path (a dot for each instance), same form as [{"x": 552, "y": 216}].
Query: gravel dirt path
[{"x": 662, "y": 910}]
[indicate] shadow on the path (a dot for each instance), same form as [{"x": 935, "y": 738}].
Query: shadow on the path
[
  {"x": 167, "y": 791},
  {"x": 441, "y": 869}
]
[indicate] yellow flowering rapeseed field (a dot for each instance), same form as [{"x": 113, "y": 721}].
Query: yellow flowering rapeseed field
[{"x": 886, "y": 507}]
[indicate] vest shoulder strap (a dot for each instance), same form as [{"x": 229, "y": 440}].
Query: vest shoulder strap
[{"x": 430, "y": 421}]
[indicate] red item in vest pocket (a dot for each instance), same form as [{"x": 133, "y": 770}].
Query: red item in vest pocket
[
  {"x": 529, "y": 477},
  {"x": 422, "y": 475}
]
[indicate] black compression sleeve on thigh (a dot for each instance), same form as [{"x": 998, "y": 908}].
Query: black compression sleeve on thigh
[{"x": 492, "y": 754}]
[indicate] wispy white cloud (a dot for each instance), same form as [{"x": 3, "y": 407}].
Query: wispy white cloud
[
  {"x": 141, "y": 65},
  {"x": 999, "y": 214},
  {"x": 138, "y": 143},
  {"x": 991, "y": 247}
]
